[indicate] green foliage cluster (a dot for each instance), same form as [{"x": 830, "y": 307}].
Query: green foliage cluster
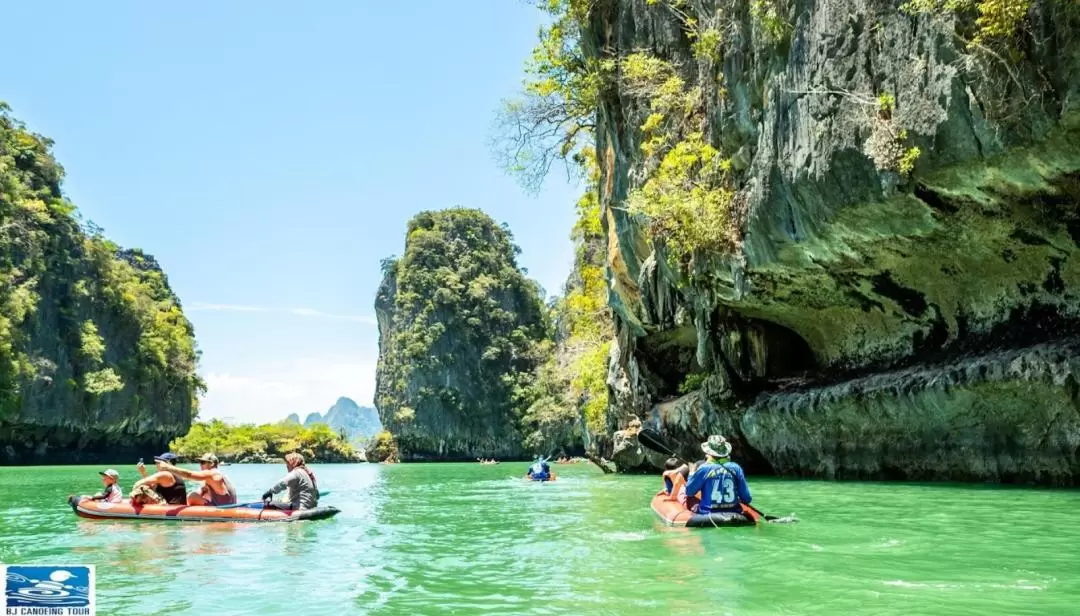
[
  {"x": 382, "y": 448},
  {"x": 996, "y": 21},
  {"x": 467, "y": 328},
  {"x": 887, "y": 145},
  {"x": 148, "y": 349},
  {"x": 571, "y": 385},
  {"x": 692, "y": 382},
  {"x": 318, "y": 443}
]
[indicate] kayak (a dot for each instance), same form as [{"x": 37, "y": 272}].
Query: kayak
[
  {"x": 675, "y": 514},
  {"x": 253, "y": 512},
  {"x": 550, "y": 478}
]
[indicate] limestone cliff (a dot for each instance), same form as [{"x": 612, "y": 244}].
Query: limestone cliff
[
  {"x": 458, "y": 329},
  {"x": 883, "y": 313},
  {"x": 97, "y": 361}
]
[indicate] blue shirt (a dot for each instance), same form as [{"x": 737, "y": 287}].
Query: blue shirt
[
  {"x": 722, "y": 487},
  {"x": 540, "y": 469}
]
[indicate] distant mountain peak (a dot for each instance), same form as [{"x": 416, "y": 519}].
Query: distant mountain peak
[{"x": 359, "y": 422}]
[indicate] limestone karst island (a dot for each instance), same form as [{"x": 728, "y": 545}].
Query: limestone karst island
[{"x": 600, "y": 307}]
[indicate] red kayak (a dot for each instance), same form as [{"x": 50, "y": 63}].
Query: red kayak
[
  {"x": 253, "y": 512},
  {"x": 675, "y": 514}
]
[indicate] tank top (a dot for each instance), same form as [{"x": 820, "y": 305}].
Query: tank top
[
  {"x": 176, "y": 494},
  {"x": 228, "y": 498}
]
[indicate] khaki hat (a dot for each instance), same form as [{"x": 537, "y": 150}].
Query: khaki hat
[
  {"x": 110, "y": 473},
  {"x": 209, "y": 458}
]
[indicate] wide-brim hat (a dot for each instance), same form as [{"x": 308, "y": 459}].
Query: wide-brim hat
[{"x": 717, "y": 446}]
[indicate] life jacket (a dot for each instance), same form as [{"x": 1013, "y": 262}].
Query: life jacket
[{"x": 311, "y": 475}]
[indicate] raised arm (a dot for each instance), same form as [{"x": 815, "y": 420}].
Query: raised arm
[
  {"x": 151, "y": 480},
  {"x": 185, "y": 473}
]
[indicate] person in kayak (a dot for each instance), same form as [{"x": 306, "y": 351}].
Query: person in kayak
[
  {"x": 539, "y": 471},
  {"x": 217, "y": 489},
  {"x": 112, "y": 492},
  {"x": 675, "y": 475},
  {"x": 303, "y": 490},
  {"x": 161, "y": 488},
  {"x": 720, "y": 481}
]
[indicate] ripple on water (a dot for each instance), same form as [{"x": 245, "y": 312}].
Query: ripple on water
[{"x": 466, "y": 539}]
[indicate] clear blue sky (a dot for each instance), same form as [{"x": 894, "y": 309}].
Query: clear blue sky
[{"x": 270, "y": 153}]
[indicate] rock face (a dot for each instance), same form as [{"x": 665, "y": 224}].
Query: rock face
[
  {"x": 360, "y": 423},
  {"x": 458, "y": 328},
  {"x": 869, "y": 325},
  {"x": 97, "y": 361}
]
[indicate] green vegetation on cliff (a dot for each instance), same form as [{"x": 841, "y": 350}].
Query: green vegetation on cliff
[
  {"x": 318, "y": 443},
  {"x": 570, "y": 388},
  {"x": 382, "y": 448},
  {"x": 94, "y": 347},
  {"x": 459, "y": 333}
]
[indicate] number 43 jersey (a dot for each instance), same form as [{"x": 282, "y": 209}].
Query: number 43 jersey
[{"x": 722, "y": 487}]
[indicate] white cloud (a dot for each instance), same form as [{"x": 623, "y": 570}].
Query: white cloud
[
  {"x": 269, "y": 393},
  {"x": 302, "y": 312}
]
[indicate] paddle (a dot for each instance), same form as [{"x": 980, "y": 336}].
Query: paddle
[
  {"x": 651, "y": 440},
  {"x": 322, "y": 493}
]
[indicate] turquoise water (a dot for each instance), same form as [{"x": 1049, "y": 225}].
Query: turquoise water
[{"x": 471, "y": 539}]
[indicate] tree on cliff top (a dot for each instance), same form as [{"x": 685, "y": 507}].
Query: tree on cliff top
[{"x": 461, "y": 337}]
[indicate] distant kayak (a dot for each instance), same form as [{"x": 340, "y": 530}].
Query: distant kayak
[
  {"x": 551, "y": 478},
  {"x": 675, "y": 514},
  {"x": 254, "y": 512}
]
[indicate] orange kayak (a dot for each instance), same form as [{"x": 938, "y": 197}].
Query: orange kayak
[
  {"x": 255, "y": 512},
  {"x": 675, "y": 514}
]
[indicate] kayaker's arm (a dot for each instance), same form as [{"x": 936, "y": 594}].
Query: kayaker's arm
[
  {"x": 281, "y": 485},
  {"x": 151, "y": 480},
  {"x": 185, "y": 473}
]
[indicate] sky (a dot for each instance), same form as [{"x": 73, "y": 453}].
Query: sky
[{"x": 269, "y": 154}]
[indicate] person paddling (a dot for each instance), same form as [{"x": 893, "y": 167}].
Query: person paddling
[
  {"x": 161, "y": 488},
  {"x": 217, "y": 490},
  {"x": 721, "y": 482},
  {"x": 303, "y": 490},
  {"x": 539, "y": 471}
]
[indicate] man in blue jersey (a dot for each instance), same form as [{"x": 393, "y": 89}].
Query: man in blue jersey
[
  {"x": 720, "y": 481},
  {"x": 539, "y": 471}
]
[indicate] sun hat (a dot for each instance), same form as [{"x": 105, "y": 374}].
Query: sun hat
[
  {"x": 209, "y": 458},
  {"x": 110, "y": 473},
  {"x": 717, "y": 446}
]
